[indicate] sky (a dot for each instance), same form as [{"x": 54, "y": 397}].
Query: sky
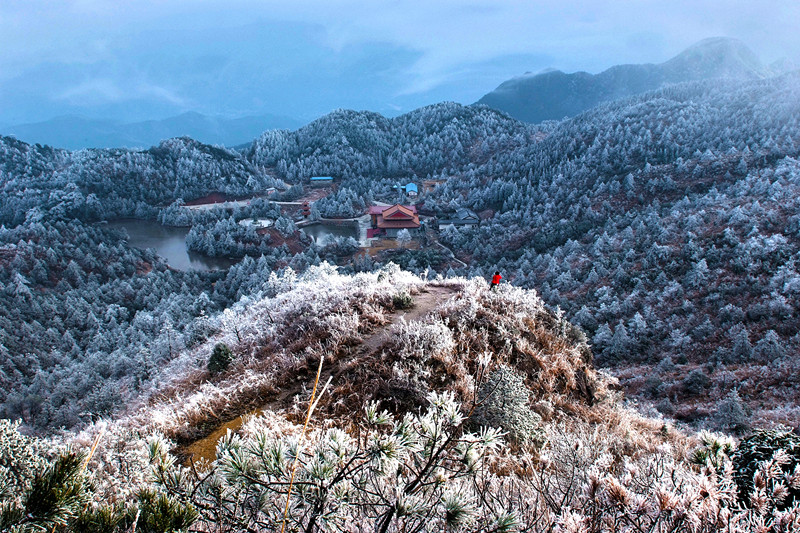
[{"x": 148, "y": 59}]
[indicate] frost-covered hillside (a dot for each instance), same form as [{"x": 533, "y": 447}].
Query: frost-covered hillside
[
  {"x": 664, "y": 225},
  {"x": 382, "y": 401}
]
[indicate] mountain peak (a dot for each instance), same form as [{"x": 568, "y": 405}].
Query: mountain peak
[
  {"x": 554, "y": 95},
  {"x": 716, "y": 57}
]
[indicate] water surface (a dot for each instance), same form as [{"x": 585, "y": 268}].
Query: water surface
[
  {"x": 318, "y": 231},
  {"x": 170, "y": 243}
]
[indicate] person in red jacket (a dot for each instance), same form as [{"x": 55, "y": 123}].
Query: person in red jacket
[{"x": 496, "y": 280}]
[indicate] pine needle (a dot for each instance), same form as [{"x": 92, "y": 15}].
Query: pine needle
[{"x": 311, "y": 405}]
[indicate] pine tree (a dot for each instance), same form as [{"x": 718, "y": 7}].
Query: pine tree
[{"x": 221, "y": 358}]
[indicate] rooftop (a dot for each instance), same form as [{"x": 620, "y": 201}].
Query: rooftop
[{"x": 379, "y": 209}]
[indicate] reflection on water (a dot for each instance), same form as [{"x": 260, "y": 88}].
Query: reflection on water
[
  {"x": 318, "y": 231},
  {"x": 170, "y": 243}
]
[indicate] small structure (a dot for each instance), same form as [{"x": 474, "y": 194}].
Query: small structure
[
  {"x": 429, "y": 185},
  {"x": 306, "y": 209},
  {"x": 321, "y": 181},
  {"x": 390, "y": 219},
  {"x": 409, "y": 188},
  {"x": 462, "y": 217},
  {"x": 258, "y": 223}
]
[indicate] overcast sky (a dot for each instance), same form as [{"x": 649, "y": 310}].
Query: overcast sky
[{"x": 139, "y": 59}]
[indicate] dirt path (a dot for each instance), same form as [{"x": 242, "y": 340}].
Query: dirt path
[{"x": 424, "y": 302}]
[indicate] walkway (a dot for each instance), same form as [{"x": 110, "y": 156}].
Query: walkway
[{"x": 426, "y": 301}]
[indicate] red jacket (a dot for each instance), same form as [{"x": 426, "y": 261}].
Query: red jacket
[{"x": 496, "y": 279}]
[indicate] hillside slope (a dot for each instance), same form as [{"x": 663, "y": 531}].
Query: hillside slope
[
  {"x": 685, "y": 196},
  {"x": 554, "y": 95},
  {"x": 386, "y": 336},
  {"x": 481, "y": 411}
]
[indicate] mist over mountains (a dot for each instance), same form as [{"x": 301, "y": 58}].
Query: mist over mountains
[
  {"x": 554, "y": 95},
  {"x": 548, "y": 95},
  {"x": 75, "y": 132}
]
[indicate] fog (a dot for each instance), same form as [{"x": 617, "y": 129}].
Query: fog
[{"x": 152, "y": 59}]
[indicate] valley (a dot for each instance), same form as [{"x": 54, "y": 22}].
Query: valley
[{"x": 164, "y": 311}]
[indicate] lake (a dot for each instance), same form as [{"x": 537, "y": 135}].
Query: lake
[
  {"x": 318, "y": 231},
  {"x": 170, "y": 243}
]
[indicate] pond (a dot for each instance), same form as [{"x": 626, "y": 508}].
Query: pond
[
  {"x": 170, "y": 243},
  {"x": 318, "y": 231}
]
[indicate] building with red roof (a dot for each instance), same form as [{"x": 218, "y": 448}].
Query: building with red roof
[{"x": 391, "y": 219}]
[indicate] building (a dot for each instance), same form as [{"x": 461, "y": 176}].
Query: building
[
  {"x": 410, "y": 189},
  {"x": 429, "y": 185},
  {"x": 389, "y": 220},
  {"x": 462, "y": 217},
  {"x": 321, "y": 181}
]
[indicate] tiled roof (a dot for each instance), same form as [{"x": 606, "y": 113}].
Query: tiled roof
[
  {"x": 398, "y": 212},
  {"x": 378, "y": 209},
  {"x": 412, "y": 223}
]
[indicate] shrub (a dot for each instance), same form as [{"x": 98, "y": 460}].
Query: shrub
[
  {"x": 418, "y": 473},
  {"x": 20, "y": 458},
  {"x": 763, "y": 446},
  {"x": 715, "y": 449},
  {"x": 770, "y": 348},
  {"x": 695, "y": 382},
  {"x": 221, "y": 358},
  {"x": 653, "y": 386},
  {"x": 503, "y": 402},
  {"x": 732, "y": 414},
  {"x": 402, "y": 300},
  {"x": 55, "y": 497}
]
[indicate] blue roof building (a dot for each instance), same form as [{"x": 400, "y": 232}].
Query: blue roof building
[{"x": 321, "y": 181}]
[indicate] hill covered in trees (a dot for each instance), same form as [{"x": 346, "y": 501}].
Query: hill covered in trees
[
  {"x": 664, "y": 225},
  {"x": 381, "y": 401}
]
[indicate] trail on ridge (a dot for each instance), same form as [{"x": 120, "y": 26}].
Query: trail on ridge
[{"x": 428, "y": 299}]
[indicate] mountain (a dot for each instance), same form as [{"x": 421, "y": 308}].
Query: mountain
[
  {"x": 664, "y": 225},
  {"x": 74, "y": 132},
  {"x": 553, "y": 94},
  {"x": 684, "y": 196}
]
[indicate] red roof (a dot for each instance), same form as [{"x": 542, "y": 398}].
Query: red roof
[
  {"x": 398, "y": 212},
  {"x": 409, "y": 223},
  {"x": 379, "y": 209}
]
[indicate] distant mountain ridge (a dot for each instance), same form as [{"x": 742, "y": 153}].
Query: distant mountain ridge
[
  {"x": 554, "y": 95},
  {"x": 74, "y": 132}
]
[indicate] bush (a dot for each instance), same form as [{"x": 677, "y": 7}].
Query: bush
[
  {"x": 732, "y": 414},
  {"x": 695, "y": 382},
  {"x": 402, "y": 300},
  {"x": 419, "y": 473},
  {"x": 221, "y": 358},
  {"x": 20, "y": 458},
  {"x": 762, "y": 446},
  {"x": 714, "y": 451},
  {"x": 503, "y": 402}
]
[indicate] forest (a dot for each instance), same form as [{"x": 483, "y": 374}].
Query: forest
[{"x": 665, "y": 226}]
